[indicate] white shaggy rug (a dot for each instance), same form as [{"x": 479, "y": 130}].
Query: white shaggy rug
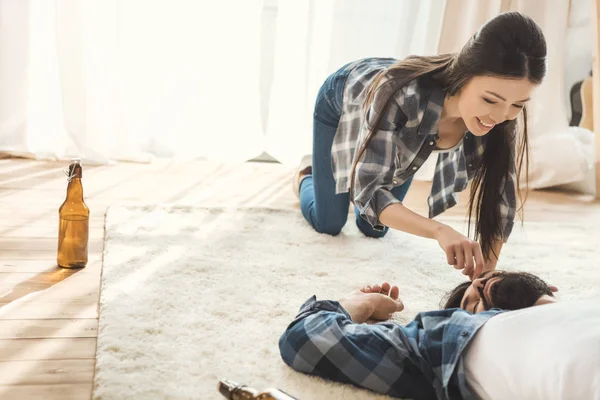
[{"x": 190, "y": 295}]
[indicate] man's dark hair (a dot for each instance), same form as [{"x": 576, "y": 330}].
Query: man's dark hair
[
  {"x": 516, "y": 290},
  {"x": 453, "y": 298}
]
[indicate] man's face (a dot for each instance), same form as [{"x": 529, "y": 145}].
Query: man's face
[{"x": 505, "y": 290}]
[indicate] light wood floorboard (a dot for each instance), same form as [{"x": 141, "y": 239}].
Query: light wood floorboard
[{"x": 48, "y": 316}]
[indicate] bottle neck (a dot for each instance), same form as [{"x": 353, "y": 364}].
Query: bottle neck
[{"x": 75, "y": 190}]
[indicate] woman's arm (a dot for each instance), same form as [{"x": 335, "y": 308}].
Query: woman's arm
[
  {"x": 461, "y": 252},
  {"x": 397, "y": 216},
  {"x": 373, "y": 177}
]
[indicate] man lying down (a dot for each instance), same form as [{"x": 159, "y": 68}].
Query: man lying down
[{"x": 434, "y": 356}]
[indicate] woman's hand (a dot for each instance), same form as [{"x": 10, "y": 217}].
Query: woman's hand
[{"x": 461, "y": 252}]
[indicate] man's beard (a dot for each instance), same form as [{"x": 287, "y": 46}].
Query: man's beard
[{"x": 515, "y": 290}]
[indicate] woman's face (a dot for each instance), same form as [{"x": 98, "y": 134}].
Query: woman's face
[{"x": 489, "y": 100}]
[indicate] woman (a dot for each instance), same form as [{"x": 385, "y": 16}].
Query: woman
[{"x": 377, "y": 120}]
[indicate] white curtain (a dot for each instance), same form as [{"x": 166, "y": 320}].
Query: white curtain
[
  {"x": 135, "y": 79},
  {"x": 316, "y": 37},
  {"x": 130, "y": 79}
]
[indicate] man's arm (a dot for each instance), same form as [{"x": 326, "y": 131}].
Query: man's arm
[{"x": 324, "y": 341}]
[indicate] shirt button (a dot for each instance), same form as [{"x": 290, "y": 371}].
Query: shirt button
[
  {"x": 431, "y": 143},
  {"x": 470, "y": 165},
  {"x": 414, "y": 168},
  {"x": 395, "y": 182},
  {"x": 464, "y": 334}
]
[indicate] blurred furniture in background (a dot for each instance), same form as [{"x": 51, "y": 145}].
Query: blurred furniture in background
[{"x": 596, "y": 86}]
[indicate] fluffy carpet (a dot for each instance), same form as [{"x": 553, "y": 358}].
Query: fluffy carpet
[{"x": 190, "y": 295}]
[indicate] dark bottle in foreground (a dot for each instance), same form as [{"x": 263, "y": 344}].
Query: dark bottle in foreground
[
  {"x": 235, "y": 391},
  {"x": 73, "y": 224}
]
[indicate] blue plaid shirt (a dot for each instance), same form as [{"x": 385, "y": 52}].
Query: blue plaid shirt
[
  {"x": 406, "y": 137},
  {"x": 421, "y": 360}
]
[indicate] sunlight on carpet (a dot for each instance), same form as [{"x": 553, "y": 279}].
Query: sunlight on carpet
[{"x": 191, "y": 295}]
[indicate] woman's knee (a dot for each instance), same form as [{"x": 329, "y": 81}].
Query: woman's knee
[{"x": 331, "y": 227}]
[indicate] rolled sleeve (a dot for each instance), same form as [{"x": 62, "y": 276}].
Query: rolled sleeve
[
  {"x": 374, "y": 172},
  {"x": 372, "y": 208}
]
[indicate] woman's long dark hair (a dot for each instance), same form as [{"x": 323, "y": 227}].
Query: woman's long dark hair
[{"x": 510, "y": 45}]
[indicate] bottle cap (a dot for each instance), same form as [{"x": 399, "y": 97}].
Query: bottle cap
[{"x": 74, "y": 169}]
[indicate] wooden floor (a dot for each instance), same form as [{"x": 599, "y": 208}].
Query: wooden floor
[{"x": 48, "y": 316}]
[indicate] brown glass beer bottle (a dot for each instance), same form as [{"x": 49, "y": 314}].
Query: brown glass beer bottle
[
  {"x": 234, "y": 391},
  {"x": 73, "y": 228}
]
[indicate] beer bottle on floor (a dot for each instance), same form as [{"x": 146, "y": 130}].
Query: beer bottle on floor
[
  {"x": 234, "y": 391},
  {"x": 73, "y": 228}
]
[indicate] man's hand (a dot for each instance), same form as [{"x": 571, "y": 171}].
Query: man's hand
[{"x": 373, "y": 302}]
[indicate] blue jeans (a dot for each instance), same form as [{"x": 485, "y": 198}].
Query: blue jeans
[{"x": 325, "y": 210}]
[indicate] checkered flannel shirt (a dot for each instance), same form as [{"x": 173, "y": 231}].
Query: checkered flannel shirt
[
  {"x": 421, "y": 360},
  {"x": 407, "y": 135}
]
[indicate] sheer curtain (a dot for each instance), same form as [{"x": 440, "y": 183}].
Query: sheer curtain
[
  {"x": 130, "y": 80},
  {"x": 316, "y": 37},
  {"x": 137, "y": 79}
]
